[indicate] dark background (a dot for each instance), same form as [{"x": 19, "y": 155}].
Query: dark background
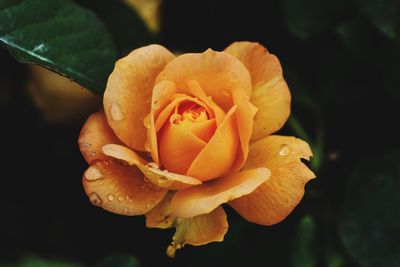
[{"x": 341, "y": 60}]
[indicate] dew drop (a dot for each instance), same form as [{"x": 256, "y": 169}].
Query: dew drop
[
  {"x": 95, "y": 199},
  {"x": 93, "y": 174},
  {"x": 284, "y": 151},
  {"x": 125, "y": 210},
  {"x": 147, "y": 146},
  {"x": 152, "y": 165},
  {"x": 146, "y": 121},
  {"x": 156, "y": 105},
  {"x": 120, "y": 198},
  {"x": 128, "y": 198},
  {"x": 116, "y": 112},
  {"x": 110, "y": 197}
]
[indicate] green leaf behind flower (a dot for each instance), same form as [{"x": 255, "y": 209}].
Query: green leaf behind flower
[
  {"x": 370, "y": 222},
  {"x": 61, "y": 36}
]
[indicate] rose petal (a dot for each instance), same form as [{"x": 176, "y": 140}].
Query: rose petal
[
  {"x": 276, "y": 198},
  {"x": 218, "y": 156},
  {"x": 161, "y": 215},
  {"x": 178, "y": 147},
  {"x": 204, "y": 198},
  {"x": 120, "y": 189},
  {"x": 94, "y": 134},
  {"x": 195, "y": 231},
  {"x": 218, "y": 74},
  {"x": 270, "y": 92},
  {"x": 160, "y": 178},
  {"x": 129, "y": 91},
  {"x": 162, "y": 95},
  {"x": 199, "y": 230},
  {"x": 244, "y": 118}
]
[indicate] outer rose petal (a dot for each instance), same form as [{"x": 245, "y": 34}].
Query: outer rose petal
[
  {"x": 270, "y": 92},
  {"x": 204, "y": 198},
  {"x": 195, "y": 231},
  {"x": 276, "y": 198},
  {"x": 162, "y": 179},
  {"x": 129, "y": 91},
  {"x": 120, "y": 189},
  {"x": 199, "y": 230},
  {"x": 94, "y": 134},
  {"x": 217, "y": 73},
  {"x": 219, "y": 154},
  {"x": 244, "y": 119}
]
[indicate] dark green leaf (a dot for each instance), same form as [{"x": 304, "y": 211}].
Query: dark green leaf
[
  {"x": 61, "y": 36},
  {"x": 119, "y": 260},
  {"x": 384, "y": 14},
  {"x": 126, "y": 26},
  {"x": 309, "y": 17},
  {"x": 370, "y": 221},
  {"x": 35, "y": 261},
  {"x": 305, "y": 247}
]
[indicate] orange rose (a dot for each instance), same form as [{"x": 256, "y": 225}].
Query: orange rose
[{"x": 205, "y": 121}]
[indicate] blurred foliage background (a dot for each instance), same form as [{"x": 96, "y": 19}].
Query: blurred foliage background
[{"x": 341, "y": 60}]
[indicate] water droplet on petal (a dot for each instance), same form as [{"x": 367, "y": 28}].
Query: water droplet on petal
[
  {"x": 110, "y": 197},
  {"x": 125, "y": 210},
  {"x": 128, "y": 198},
  {"x": 121, "y": 198},
  {"x": 152, "y": 165},
  {"x": 146, "y": 121},
  {"x": 95, "y": 199},
  {"x": 156, "y": 105},
  {"x": 116, "y": 112},
  {"x": 284, "y": 150},
  {"x": 147, "y": 146},
  {"x": 93, "y": 174}
]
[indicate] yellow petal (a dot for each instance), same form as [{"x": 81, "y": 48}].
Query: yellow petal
[
  {"x": 199, "y": 230},
  {"x": 120, "y": 189},
  {"x": 218, "y": 156},
  {"x": 277, "y": 197},
  {"x": 161, "y": 215},
  {"x": 218, "y": 74},
  {"x": 160, "y": 178},
  {"x": 178, "y": 147},
  {"x": 204, "y": 198},
  {"x": 244, "y": 119},
  {"x": 270, "y": 92},
  {"x": 129, "y": 91},
  {"x": 94, "y": 134}
]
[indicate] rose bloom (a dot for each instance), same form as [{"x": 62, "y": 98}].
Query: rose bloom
[{"x": 181, "y": 135}]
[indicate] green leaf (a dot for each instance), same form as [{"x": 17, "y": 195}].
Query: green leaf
[
  {"x": 369, "y": 225},
  {"x": 305, "y": 247},
  {"x": 35, "y": 261},
  {"x": 61, "y": 36},
  {"x": 309, "y": 17},
  {"x": 119, "y": 260},
  {"x": 118, "y": 17},
  {"x": 384, "y": 14}
]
